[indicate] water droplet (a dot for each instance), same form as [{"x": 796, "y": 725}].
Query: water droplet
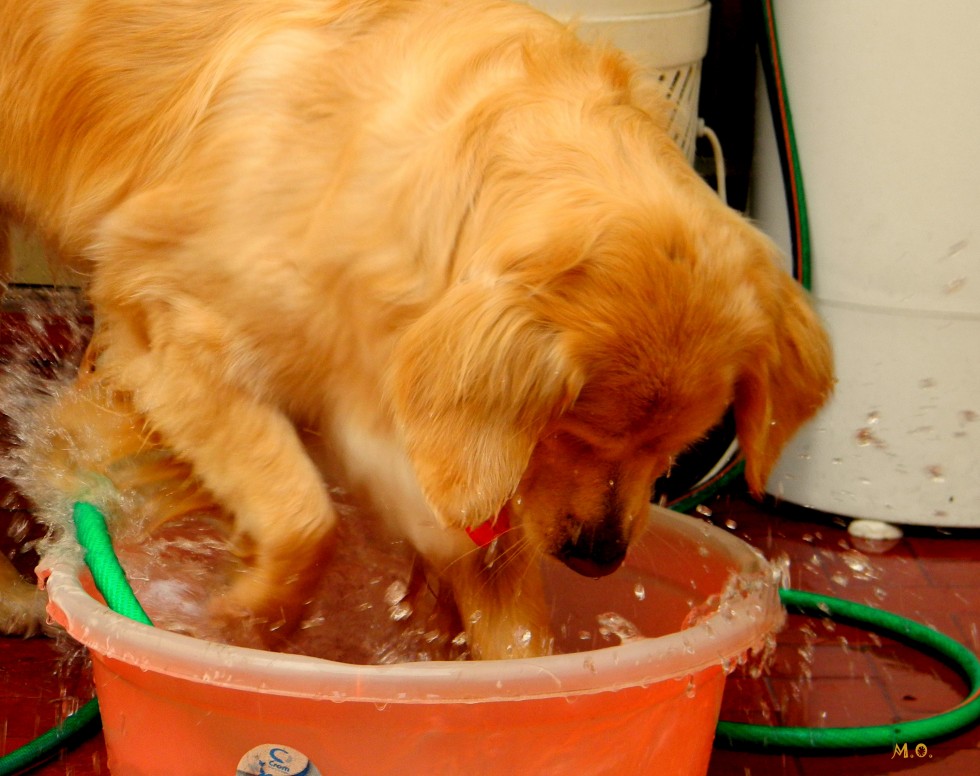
[
  {"x": 18, "y": 529},
  {"x": 401, "y": 611},
  {"x": 860, "y": 564},
  {"x": 395, "y": 592},
  {"x": 954, "y": 285},
  {"x": 866, "y": 437},
  {"x": 691, "y": 688},
  {"x": 523, "y": 636},
  {"x": 639, "y": 591},
  {"x": 613, "y": 624}
]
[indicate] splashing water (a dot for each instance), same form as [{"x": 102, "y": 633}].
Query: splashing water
[
  {"x": 612, "y": 625},
  {"x": 45, "y": 332},
  {"x": 49, "y": 332}
]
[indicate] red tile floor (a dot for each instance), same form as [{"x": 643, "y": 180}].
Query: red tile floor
[{"x": 823, "y": 674}]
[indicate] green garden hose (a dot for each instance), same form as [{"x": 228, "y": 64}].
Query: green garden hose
[
  {"x": 81, "y": 725},
  {"x": 782, "y": 117},
  {"x": 877, "y": 736},
  {"x": 110, "y": 579}
]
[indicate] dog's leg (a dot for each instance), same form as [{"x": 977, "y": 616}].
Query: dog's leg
[
  {"x": 500, "y": 597},
  {"x": 250, "y": 457},
  {"x": 207, "y": 393}
]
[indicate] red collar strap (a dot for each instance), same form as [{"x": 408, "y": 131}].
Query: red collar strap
[{"x": 486, "y": 532}]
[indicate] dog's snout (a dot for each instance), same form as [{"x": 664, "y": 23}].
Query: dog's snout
[{"x": 597, "y": 550}]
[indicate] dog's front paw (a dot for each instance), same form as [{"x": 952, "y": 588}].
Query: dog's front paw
[
  {"x": 502, "y": 606},
  {"x": 235, "y": 618},
  {"x": 258, "y": 609},
  {"x": 269, "y": 590},
  {"x": 507, "y": 641}
]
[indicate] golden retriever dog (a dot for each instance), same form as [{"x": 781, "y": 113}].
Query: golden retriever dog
[{"x": 446, "y": 237}]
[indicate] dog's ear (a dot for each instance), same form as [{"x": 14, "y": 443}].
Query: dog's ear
[
  {"x": 474, "y": 381},
  {"x": 789, "y": 373}
]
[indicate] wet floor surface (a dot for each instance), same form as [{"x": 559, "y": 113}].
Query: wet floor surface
[
  {"x": 830, "y": 675},
  {"x": 823, "y": 674}
]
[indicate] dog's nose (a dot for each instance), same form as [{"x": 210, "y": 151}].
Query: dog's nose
[{"x": 596, "y": 552}]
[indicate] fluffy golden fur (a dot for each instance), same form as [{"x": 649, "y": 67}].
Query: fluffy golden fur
[{"x": 445, "y": 235}]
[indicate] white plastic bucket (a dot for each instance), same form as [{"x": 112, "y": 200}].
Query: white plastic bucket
[
  {"x": 668, "y": 38},
  {"x": 886, "y": 105},
  {"x": 173, "y": 704}
]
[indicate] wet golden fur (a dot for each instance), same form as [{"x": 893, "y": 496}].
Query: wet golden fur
[{"x": 447, "y": 236}]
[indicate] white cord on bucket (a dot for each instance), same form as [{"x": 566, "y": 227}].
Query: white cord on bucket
[{"x": 720, "y": 173}]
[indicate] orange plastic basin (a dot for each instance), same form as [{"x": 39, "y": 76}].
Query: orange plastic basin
[{"x": 173, "y": 704}]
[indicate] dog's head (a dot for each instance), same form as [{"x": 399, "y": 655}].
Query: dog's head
[
  {"x": 603, "y": 311},
  {"x": 564, "y": 386}
]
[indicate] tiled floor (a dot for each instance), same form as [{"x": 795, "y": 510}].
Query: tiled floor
[
  {"x": 830, "y": 675},
  {"x": 823, "y": 674}
]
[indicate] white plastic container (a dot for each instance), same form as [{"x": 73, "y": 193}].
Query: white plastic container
[
  {"x": 886, "y": 103},
  {"x": 172, "y": 704},
  {"x": 668, "y": 38}
]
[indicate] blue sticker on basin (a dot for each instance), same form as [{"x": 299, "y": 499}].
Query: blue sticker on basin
[{"x": 276, "y": 760}]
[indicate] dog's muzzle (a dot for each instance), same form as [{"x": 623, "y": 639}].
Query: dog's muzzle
[{"x": 597, "y": 551}]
